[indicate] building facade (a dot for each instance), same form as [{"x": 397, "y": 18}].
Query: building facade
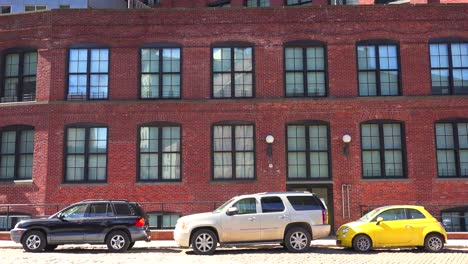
[{"x": 364, "y": 105}]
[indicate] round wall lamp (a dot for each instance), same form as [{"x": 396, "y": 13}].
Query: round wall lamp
[
  {"x": 269, "y": 139},
  {"x": 346, "y": 138}
]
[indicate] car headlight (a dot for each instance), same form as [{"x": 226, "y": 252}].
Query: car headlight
[{"x": 344, "y": 231}]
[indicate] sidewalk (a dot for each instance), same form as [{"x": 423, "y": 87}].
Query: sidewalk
[{"x": 327, "y": 243}]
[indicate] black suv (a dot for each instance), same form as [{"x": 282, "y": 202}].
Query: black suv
[{"x": 117, "y": 223}]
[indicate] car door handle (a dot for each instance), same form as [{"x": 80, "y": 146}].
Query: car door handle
[
  {"x": 283, "y": 216},
  {"x": 408, "y": 226},
  {"x": 252, "y": 219}
]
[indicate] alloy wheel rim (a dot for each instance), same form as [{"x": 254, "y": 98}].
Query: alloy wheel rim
[
  {"x": 435, "y": 243},
  {"x": 117, "y": 242},
  {"x": 33, "y": 242},
  {"x": 363, "y": 244},
  {"x": 298, "y": 240},
  {"x": 204, "y": 242}
]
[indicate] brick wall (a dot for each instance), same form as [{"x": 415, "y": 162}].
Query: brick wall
[{"x": 53, "y": 32}]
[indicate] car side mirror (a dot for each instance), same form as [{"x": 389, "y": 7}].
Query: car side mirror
[
  {"x": 232, "y": 211},
  {"x": 379, "y": 219}
]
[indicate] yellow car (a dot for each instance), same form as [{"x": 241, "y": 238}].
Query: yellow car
[{"x": 393, "y": 226}]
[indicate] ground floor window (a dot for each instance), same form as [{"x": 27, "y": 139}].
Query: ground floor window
[
  {"x": 163, "y": 220},
  {"x": 455, "y": 219},
  {"x": 8, "y": 222}
]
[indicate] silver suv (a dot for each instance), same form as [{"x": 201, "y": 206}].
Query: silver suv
[{"x": 291, "y": 219}]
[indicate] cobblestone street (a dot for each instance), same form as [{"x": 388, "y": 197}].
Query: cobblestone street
[{"x": 98, "y": 254}]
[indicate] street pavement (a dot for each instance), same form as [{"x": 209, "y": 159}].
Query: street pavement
[{"x": 322, "y": 251}]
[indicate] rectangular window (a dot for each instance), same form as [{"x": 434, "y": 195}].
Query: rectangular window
[
  {"x": 382, "y": 150},
  {"x": 233, "y": 72},
  {"x": 86, "y": 154},
  {"x": 160, "y": 73},
  {"x": 305, "y": 72},
  {"x": 308, "y": 152},
  {"x": 452, "y": 149},
  {"x": 233, "y": 152},
  {"x": 16, "y": 154},
  {"x": 19, "y": 77},
  {"x": 160, "y": 155},
  {"x": 449, "y": 68},
  {"x": 5, "y": 9},
  {"x": 163, "y": 220},
  {"x": 305, "y": 203},
  {"x": 88, "y": 74},
  {"x": 64, "y": 6},
  {"x": 298, "y": 2},
  {"x": 31, "y": 8},
  {"x": 378, "y": 70},
  {"x": 272, "y": 204},
  {"x": 257, "y": 3}
]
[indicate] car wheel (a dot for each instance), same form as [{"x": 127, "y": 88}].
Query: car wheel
[
  {"x": 297, "y": 240},
  {"x": 34, "y": 241},
  {"x": 204, "y": 242},
  {"x": 50, "y": 247},
  {"x": 118, "y": 241},
  {"x": 433, "y": 243},
  {"x": 362, "y": 243},
  {"x": 130, "y": 246}
]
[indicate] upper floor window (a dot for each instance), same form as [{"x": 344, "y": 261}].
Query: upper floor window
[
  {"x": 220, "y": 3},
  {"x": 30, "y": 8},
  {"x": 88, "y": 73},
  {"x": 308, "y": 151},
  {"x": 16, "y": 153},
  {"x": 233, "y": 152},
  {"x": 378, "y": 69},
  {"x": 64, "y": 6},
  {"x": 233, "y": 72},
  {"x": 298, "y": 2},
  {"x": 452, "y": 149},
  {"x": 5, "y": 9},
  {"x": 19, "y": 77},
  {"x": 449, "y": 68},
  {"x": 160, "y": 152},
  {"x": 305, "y": 70},
  {"x": 257, "y": 3},
  {"x": 160, "y": 73},
  {"x": 383, "y": 153},
  {"x": 86, "y": 153}
]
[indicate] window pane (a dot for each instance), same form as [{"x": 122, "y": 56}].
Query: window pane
[
  {"x": 77, "y": 84},
  {"x": 297, "y": 166},
  {"x": 296, "y": 138},
  {"x": 171, "y": 86},
  {"x": 149, "y": 166},
  {"x": 444, "y": 136},
  {"x": 171, "y": 60},
  {"x": 99, "y": 61},
  {"x": 27, "y": 141},
  {"x": 389, "y": 83},
  {"x": 460, "y": 81},
  {"x": 30, "y": 63},
  {"x": 294, "y": 84},
  {"x": 222, "y": 166},
  {"x": 221, "y": 59},
  {"x": 460, "y": 55},
  {"x": 371, "y": 163},
  {"x": 75, "y": 140},
  {"x": 463, "y": 135},
  {"x": 439, "y": 55},
  {"x": 246, "y": 206},
  {"x": 319, "y": 164},
  {"x": 318, "y": 137},
  {"x": 222, "y": 138},
  {"x": 245, "y": 165},
  {"x": 242, "y": 59},
  {"x": 370, "y": 136},
  {"x": 244, "y": 138},
  {"x": 367, "y": 84},
  {"x": 243, "y": 85},
  {"x": 150, "y": 86},
  {"x": 393, "y": 164},
  {"x": 170, "y": 166},
  {"x": 78, "y": 61},
  {"x": 98, "y": 140},
  {"x": 451, "y": 221},
  {"x": 8, "y": 142},
  {"x": 25, "y": 166},
  {"x": 171, "y": 139},
  {"x": 221, "y": 85},
  {"x": 366, "y": 58},
  {"x": 149, "y": 60},
  {"x": 11, "y": 87},
  {"x": 98, "y": 86},
  {"x": 272, "y": 204},
  {"x": 12, "y": 65},
  {"x": 392, "y": 136},
  {"x": 464, "y": 163},
  {"x": 294, "y": 59},
  {"x": 388, "y": 59},
  {"x": 75, "y": 168},
  {"x": 446, "y": 163},
  {"x": 149, "y": 139},
  {"x": 315, "y": 84},
  {"x": 97, "y": 167},
  {"x": 7, "y": 167},
  {"x": 315, "y": 58}
]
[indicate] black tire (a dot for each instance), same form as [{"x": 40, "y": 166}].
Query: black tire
[
  {"x": 433, "y": 243},
  {"x": 204, "y": 242},
  {"x": 297, "y": 240},
  {"x": 130, "y": 246},
  {"x": 50, "y": 247},
  {"x": 118, "y": 241},
  {"x": 34, "y": 241},
  {"x": 362, "y": 243}
]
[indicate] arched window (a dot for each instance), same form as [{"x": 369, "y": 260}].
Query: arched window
[
  {"x": 16, "y": 152},
  {"x": 19, "y": 75}
]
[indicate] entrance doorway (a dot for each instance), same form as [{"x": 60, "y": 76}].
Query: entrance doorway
[{"x": 323, "y": 191}]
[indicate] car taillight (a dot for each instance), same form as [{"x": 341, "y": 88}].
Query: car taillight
[
  {"x": 140, "y": 222},
  {"x": 324, "y": 217}
]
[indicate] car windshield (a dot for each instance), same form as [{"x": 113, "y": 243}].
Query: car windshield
[
  {"x": 223, "y": 206},
  {"x": 369, "y": 215}
]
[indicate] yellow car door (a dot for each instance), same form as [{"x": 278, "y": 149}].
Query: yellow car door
[{"x": 393, "y": 229}]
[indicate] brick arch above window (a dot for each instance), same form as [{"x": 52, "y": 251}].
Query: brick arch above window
[
  {"x": 305, "y": 42},
  {"x": 448, "y": 39}
]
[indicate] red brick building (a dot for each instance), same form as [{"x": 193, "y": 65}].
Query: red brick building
[{"x": 174, "y": 105}]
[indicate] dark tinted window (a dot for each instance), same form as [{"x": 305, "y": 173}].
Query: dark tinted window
[
  {"x": 304, "y": 203},
  {"x": 272, "y": 204},
  {"x": 124, "y": 209},
  {"x": 100, "y": 210},
  {"x": 415, "y": 214}
]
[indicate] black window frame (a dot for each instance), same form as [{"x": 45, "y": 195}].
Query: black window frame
[
  {"x": 304, "y": 44},
  {"x": 233, "y": 151},
  {"x": 300, "y": 2},
  {"x": 18, "y": 129},
  {"x": 20, "y": 95},
  {"x": 232, "y": 46},
  {"x": 5, "y": 6},
  {"x": 160, "y": 126},
  {"x": 160, "y": 47},
  {"x": 258, "y": 3},
  {"x": 160, "y": 218},
  {"x": 86, "y": 154},
  {"x": 88, "y": 73},
  {"x": 448, "y": 42},
  {"x": 376, "y": 43},
  {"x": 456, "y": 148},
  {"x": 382, "y": 149},
  {"x": 461, "y": 211},
  {"x": 220, "y": 3},
  {"x": 307, "y": 124}
]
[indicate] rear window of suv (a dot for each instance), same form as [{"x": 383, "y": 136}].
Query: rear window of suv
[
  {"x": 305, "y": 203},
  {"x": 124, "y": 209}
]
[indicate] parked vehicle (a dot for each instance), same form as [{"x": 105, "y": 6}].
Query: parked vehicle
[
  {"x": 288, "y": 218},
  {"x": 117, "y": 223},
  {"x": 393, "y": 226}
]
